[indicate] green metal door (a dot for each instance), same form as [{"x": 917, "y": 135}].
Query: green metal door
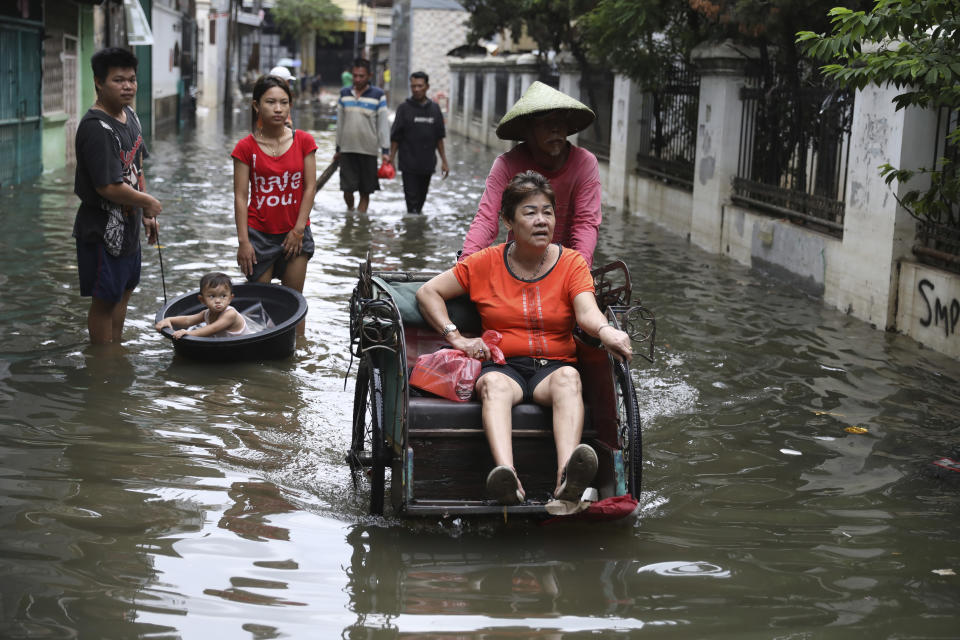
[{"x": 20, "y": 122}]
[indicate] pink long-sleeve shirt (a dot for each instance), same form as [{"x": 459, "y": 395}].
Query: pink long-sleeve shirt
[{"x": 577, "y": 189}]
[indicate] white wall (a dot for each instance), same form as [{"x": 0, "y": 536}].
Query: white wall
[{"x": 166, "y": 36}]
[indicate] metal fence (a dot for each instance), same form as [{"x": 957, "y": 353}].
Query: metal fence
[
  {"x": 478, "y": 96},
  {"x": 596, "y": 90},
  {"x": 500, "y": 82},
  {"x": 938, "y": 238},
  {"x": 794, "y": 150},
  {"x": 668, "y": 127}
]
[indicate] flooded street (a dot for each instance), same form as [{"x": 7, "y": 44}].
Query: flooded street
[{"x": 144, "y": 495}]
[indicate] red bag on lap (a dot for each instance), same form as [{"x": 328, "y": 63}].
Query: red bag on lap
[
  {"x": 492, "y": 339},
  {"x": 448, "y": 372}
]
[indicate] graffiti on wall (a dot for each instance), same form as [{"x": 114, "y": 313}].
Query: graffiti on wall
[{"x": 939, "y": 313}]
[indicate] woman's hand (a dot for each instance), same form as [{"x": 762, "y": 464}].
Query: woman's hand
[
  {"x": 473, "y": 347},
  {"x": 246, "y": 257},
  {"x": 616, "y": 342},
  {"x": 293, "y": 243}
]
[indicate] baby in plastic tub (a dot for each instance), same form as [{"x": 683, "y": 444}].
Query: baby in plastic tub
[{"x": 218, "y": 320}]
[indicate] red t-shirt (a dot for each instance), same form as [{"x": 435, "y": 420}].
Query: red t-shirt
[
  {"x": 276, "y": 184},
  {"x": 536, "y": 318}
]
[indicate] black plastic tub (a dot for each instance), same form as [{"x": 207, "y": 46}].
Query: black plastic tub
[{"x": 285, "y": 307}]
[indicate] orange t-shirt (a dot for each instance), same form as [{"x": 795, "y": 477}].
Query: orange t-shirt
[{"x": 536, "y": 318}]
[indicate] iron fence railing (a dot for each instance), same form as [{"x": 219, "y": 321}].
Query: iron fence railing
[
  {"x": 477, "y": 96},
  {"x": 596, "y": 90},
  {"x": 794, "y": 151},
  {"x": 668, "y": 127},
  {"x": 938, "y": 239},
  {"x": 501, "y": 81}
]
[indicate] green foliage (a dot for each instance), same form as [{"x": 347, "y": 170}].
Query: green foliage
[
  {"x": 297, "y": 18},
  {"x": 552, "y": 24},
  {"x": 642, "y": 40},
  {"x": 915, "y": 46}
]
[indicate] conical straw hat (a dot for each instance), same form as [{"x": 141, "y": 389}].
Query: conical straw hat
[{"x": 540, "y": 98}]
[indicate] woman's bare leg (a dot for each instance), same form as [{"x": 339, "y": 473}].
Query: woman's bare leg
[
  {"x": 498, "y": 393},
  {"x": 562, "y": 391}
]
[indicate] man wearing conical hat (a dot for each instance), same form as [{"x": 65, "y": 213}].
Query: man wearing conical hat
[{"x": 542, "y": 119}]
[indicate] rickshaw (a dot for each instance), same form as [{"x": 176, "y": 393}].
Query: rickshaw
[{"x": 436, "y": 449}]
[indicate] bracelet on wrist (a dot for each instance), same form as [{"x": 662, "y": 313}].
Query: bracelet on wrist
[{"x": 603, "y": 326}]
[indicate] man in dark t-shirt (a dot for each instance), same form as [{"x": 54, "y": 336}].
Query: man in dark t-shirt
[
  {"x": 418, "y": 134},
  {"x": 113, "y": 201}
]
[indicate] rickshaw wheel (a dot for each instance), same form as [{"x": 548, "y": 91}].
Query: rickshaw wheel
[
  {"x": 366, "y": 446},
  {"x": 628, "y": 425}
]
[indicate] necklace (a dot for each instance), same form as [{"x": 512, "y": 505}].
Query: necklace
[
  {"x": 536, "y": 271},
  {"x": 276, "y": 143}
]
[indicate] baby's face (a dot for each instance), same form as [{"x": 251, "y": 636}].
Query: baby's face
[{"x": 216, "y": 298}]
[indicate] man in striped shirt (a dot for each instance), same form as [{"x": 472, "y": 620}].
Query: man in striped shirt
[{"x": 363, "y": 133}]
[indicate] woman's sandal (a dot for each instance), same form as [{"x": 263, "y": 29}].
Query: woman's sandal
[
  {"x": 578, "y": 473},
  {"x": 504, "y": 487}
]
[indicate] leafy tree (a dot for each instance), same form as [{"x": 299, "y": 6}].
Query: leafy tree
[
  {"x": 552, "y": 24},
  {"x": 298, "y": 18},
  {"x": 915, "y": 46}
]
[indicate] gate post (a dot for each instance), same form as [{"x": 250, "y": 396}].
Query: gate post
[
  {"x": 723, "y": 72},
  {"x": 624, "y": 140},
  {"x": 877, "y": 232}
]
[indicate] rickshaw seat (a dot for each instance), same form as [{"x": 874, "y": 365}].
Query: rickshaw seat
[{"x": 438, "y": 415}]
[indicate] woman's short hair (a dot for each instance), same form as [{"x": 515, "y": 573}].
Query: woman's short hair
[
  {"x": 264, "y": 84},
  {"x": 212, "y": 280},
  {"x": 522, "y": 186}
]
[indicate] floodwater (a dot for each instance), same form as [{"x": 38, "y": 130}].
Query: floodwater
[{"x": 148, "y": 496}]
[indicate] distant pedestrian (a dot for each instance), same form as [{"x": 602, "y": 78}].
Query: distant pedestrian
[
  {"x": 113, "y": 198},
  {"x": 363, "y": 134},
  {"x": 542, "y": 119},
  {"x": 346, "y": 78},
  {"x": 418, "y": 134},
  {"x": 315, "y": 84}
]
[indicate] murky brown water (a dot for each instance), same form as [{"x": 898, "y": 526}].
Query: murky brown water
[{"x": 147, "y": 496}]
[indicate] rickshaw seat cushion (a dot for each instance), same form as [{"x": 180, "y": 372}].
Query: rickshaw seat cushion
[
  {"x": 438, "y": 413},
  {"x": 461, "y": 310}
]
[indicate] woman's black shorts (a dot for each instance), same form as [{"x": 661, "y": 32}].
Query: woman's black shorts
[{"x": 527, "y": 372}]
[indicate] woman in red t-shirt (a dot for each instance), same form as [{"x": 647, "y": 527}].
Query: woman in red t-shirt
[
  {"x": 274, "y": 182},
  {"x": 533, "y": 292}
]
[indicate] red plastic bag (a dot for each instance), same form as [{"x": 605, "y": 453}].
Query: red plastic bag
[
  {"x": 386, "y": 171},
  {"x": 493, "y": 338},
  {"x": 448, "y": 372},
  {"x": 612, "y": 508}
]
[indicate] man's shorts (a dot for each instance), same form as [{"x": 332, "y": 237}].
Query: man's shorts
[
  {"x": 525, "y": 371},
  {"x": 358, "y": 172},
  {"x": 104, "y": 276},
  {"x": 268, "y": 248}
]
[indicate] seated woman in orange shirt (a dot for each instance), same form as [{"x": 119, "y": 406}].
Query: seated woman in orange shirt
[{"x": 533, "y": 292}]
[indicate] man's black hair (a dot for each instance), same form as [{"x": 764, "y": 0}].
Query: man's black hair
[
  {"x": 421, "y": 75},
  {"x": 115, "y": 57},
  {"x": 361, "y": 62}
]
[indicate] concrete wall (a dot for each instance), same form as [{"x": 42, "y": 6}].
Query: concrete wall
[
  {"x": 165, "y": 66},
  {"x": 929, "y": 309},
  {"x": 211, "y": 57},
  {"x": 435, "y": 31}
]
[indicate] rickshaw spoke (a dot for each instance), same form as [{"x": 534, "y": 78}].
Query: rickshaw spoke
[{"x": 628, "y": 428}]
